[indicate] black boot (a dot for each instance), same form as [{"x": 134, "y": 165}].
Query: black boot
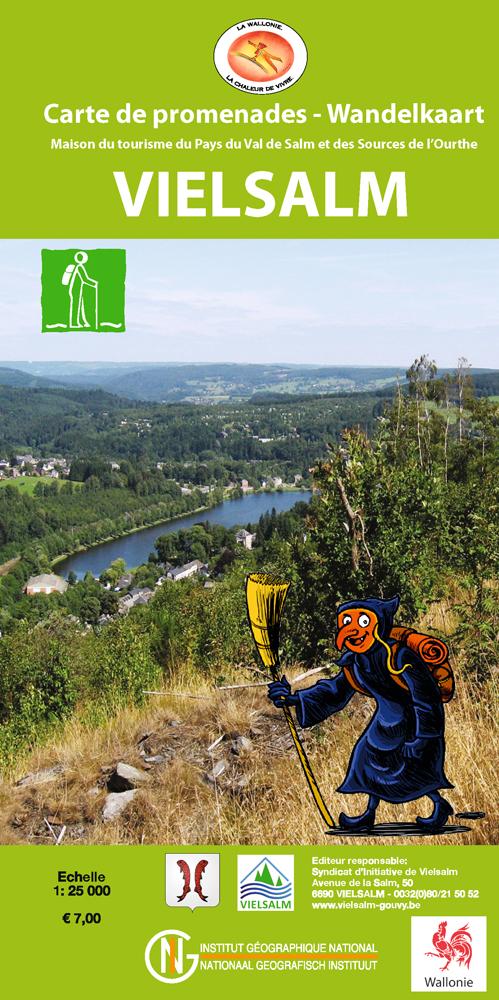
[
  {"x": 363, "y": 822},
  {"x": 441, "y": 812}
]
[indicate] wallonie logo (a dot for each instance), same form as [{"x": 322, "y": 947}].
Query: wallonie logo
[
  {"x": 260, "y": 56},
  {"x": 165, "y": 959},
  {"x": 449, "y": 954}
]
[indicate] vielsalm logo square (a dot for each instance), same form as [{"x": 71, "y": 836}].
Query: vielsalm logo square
[
  {"x": 265, "y": 882},
  {"x": 83, "y": 291},
  {"x": 448, "y": 954}
]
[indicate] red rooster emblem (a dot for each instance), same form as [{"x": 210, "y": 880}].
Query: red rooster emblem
[{"x": 456, "y": 949}]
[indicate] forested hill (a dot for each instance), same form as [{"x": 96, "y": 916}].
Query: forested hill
[
  {"x": 11, "y": 376},
  {"x": 212, "y": 383},
  {"x": 73, "y": 423},
  {"x": 39, "y": 418},
  {"x": 287, "y": 428},
  {"x": 206, "y": 382},
  {"x": 486, "y": 383},
  {"x": 202, "y": 383}
]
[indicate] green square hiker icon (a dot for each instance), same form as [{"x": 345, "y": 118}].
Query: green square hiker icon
[{"x": 83, "y": 290}]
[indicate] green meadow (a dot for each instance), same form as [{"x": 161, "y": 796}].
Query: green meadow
[{"x": 26, "y": 484}]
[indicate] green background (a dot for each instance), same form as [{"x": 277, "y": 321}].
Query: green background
[
  {"x": 52, "y": 958},
  {"x": 159, "y": 55}
]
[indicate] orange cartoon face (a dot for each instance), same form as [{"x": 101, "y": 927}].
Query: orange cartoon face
[{"x": 356, "y": 629}]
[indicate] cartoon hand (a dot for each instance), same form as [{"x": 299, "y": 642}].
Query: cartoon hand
[
  {"x": 280, "y": 693},
  {"x": 415, "y": 748}
]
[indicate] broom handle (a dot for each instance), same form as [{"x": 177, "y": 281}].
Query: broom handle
[{"x": 305, "y": 763}]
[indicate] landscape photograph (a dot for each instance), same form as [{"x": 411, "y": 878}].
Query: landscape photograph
[{"x": 324, "y": 412}]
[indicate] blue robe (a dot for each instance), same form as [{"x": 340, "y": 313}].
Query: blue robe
[{"x": 377, "y": 765}]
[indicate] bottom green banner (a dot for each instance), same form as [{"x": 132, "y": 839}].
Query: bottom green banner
[{"x": 247, "y": 920}]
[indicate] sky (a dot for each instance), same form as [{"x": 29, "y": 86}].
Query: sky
[{"x": 327, "y": 302}]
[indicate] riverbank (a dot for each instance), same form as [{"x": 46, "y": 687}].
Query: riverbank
[
  {"x": 123, "y": 534},
  {"x": 135, "y": 545}
]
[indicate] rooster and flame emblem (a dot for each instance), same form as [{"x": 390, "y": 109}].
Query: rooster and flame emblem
[{"x": 457, "y": 948}]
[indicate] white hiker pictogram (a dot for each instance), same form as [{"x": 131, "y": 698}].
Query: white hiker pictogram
[
  {"x": 77, "y": 279},
  {"x": 83, "y": 290}
]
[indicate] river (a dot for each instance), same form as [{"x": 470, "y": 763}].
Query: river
[{"x": 136, "y": 547}]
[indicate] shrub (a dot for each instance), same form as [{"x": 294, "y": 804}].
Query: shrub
[
  {"x": 121, "y": 663},
  {"x": 37, "y": 681}
]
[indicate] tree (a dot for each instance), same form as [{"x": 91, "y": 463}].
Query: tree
[
  {"x": 108, "y": 602},
  {"x": 421, "y": 376},
  {"x": 112, "y": 574},
  {"x": 464, "y": 390},
  {"x": 443, "y": 392},
  {"x": 90, "y": 608}
]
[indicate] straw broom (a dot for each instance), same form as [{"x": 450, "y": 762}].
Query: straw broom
[{"x": 265, "y": 597}]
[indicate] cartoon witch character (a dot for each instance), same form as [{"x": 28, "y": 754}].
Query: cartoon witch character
[{"x": 400, "y": 755}]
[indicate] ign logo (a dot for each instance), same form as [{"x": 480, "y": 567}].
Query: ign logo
[{"x": 165, "y": 959}]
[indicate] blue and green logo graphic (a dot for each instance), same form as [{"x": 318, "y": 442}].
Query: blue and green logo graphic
[
  {"x": 266, "y": 884},
  {"x": 83, "y": 290}
]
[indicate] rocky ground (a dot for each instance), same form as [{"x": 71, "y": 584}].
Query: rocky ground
[{"x": 218, "y": 766}]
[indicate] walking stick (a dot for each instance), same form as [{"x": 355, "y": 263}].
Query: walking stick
[{"x": 265, "y": 597}]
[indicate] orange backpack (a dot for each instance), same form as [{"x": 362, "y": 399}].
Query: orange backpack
[{"x": 433, "y": 653}]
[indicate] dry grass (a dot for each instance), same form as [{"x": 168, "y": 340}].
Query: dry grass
[{"x": 260, "y": 797}]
